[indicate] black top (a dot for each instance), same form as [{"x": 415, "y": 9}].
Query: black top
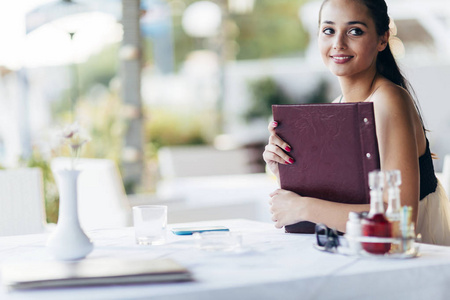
[{"x": 428, "y": 180}]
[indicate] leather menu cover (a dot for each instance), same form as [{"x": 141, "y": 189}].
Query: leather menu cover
[
  {"x": 334, "y": 147},
  {"x": 91, "y": 272}
]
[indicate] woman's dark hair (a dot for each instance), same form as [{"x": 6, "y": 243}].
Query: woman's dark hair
[{"x": 386, "y": 64}]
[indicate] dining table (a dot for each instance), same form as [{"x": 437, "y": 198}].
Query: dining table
[{"x": 265, "y": 263}]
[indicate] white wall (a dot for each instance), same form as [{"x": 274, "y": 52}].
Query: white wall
[{"x": 431, "y": 86}]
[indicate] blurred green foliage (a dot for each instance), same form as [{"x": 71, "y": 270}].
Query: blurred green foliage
[
  {"x": 320, "y": 93},
  {"x": 273, "y": 29},
  {"x": 102, "y": 118},
  {"x": 51, "y": 195},
  {"x": 264, "y": 92},
  {"x": 100, "y": 68},
  {"x": 168, "y": 127}
]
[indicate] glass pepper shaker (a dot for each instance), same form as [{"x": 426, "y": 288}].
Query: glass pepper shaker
[{"x": 393, "y": 212}]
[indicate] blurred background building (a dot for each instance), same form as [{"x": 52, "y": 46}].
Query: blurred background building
[{"x": 144, "y": 75}]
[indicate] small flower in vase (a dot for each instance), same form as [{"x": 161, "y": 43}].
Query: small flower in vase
[
  {"x": 68, "y": 241},
  {"x": 75, "y": 138}
]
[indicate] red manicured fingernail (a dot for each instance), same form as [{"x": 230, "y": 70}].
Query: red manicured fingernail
[
  {"x": 286, "y": 162},
  {"x": 274, "y": 124},
  {"x": 291, "y": 160},
  {"x": 287, "y": 148}
]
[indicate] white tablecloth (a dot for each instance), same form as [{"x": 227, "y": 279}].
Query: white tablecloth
[{"x": 271, "y": 265}]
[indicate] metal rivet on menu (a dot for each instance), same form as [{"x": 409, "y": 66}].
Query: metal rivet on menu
[
  {"x": 365, "y": 120},
  {"x": 368, "y": 155}
]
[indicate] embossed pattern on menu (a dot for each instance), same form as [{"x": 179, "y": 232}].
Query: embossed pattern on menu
[{"x": 330, "y": 146}]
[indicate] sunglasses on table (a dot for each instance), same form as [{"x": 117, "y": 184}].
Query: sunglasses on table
[{"x": 327, "y": 238}]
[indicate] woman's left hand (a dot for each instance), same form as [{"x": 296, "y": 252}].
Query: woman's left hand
[{"x": 286, "y": 207}]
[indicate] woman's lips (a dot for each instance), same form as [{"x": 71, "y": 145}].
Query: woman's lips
[{"x": 341, "y": 59}]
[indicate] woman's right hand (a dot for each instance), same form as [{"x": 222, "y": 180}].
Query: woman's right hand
[{"x": 275, "y": 151}]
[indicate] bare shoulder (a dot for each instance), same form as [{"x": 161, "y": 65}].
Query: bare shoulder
[
  {"x": 396, "y": 117},
  {"x": 390, "y": 99}
]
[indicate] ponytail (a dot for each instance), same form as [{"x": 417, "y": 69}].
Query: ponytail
[{"x": 387, "y": 66}]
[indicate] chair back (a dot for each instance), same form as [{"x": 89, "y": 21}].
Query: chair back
[
  {"x": 22, "y": 207},
  {"x": 191, "y": 161}
]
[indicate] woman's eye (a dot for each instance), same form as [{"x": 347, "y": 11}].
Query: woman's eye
[
  {"x": 355, "y": 31},
  {"x": 328, "y": 31}
]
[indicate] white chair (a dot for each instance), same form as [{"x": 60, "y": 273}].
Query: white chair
[
  {"x": 178, "y": 164},
  {"x": 188, "y": 161},
  {"x": 22, "y": 207},
  {"x": 102, "y": 201}
]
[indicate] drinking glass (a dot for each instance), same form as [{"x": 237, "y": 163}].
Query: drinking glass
[{"x": 150, "y": 223}]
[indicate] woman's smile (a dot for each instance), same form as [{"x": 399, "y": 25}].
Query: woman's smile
[{"x": 341, "y": 59}]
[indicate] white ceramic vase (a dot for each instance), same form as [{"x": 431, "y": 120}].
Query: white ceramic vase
[{"x": 68, "y": 241}]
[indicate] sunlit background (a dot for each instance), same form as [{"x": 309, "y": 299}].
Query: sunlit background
[{"x": 201, "y": 73}]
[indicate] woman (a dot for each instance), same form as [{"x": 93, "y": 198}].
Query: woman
[{"x": 353, "y": 42}]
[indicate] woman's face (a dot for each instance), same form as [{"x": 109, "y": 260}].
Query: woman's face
[{"x": 348, "y": 41}]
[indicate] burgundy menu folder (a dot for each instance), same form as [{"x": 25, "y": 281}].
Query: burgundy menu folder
[{"x": 334, "y": 147}]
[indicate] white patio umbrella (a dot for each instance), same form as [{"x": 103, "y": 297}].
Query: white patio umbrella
[
  {"x": 51, "y": 44},
  {"x": 65, "y": 32}
]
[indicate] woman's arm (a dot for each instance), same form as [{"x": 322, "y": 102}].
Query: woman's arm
[
  {"x": 395, "y": 118},
  {"x": 289, "y": 208}
]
